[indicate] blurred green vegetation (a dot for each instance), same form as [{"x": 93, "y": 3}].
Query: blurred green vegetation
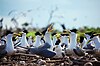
[
  {"x": 80, "y": 31},
  {"x": 32, "y": 31}
]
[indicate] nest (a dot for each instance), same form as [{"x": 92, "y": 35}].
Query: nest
[{"x": 23, "y": 59}]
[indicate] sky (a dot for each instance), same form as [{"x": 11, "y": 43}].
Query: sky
[{"x": 73, "y": 13}]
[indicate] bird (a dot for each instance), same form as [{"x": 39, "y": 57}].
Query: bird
[
  {"x": 64, "y": 40},
  {"x": 24, "y": 42},
  {"x": 88, "y": 35},
  {"x": 73, "y": 49},
  {"x": 88, "y": 43},
  {"x": 47, "y": 36},
  {"x": 60, "y": 45},
  {"x": 30, "y": 42},
  {"x": 95, "y": 39},
  {"x": 83, "y": 41},
  {"x": 37, "y": 42},
  {"x": 48, "y": 40},
  {"x": 73, "y": 39},
  {"x": 44, "y": 52},
  {"x": 2, "y": 48},
  {"x": 18, "y": 41},
  {"x": 9, "y": 44},
  {"x": 9, "y": 48},
  {"x": 59, "y": 50},
  {"x": 54, "y": 38}
]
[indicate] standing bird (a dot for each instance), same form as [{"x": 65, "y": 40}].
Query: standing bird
[
  {"x": 37, "y": 42},
  {"x": 59, "y": 50},
  {"x": 64, "y": 40},
  {"x": 73, "y": 39},
  {"x": 54, "y": 38},
  {"x": 83, "y": 41},
  {"x": 9, "y": 48},
  {"x": 48, "y": 40},
  {"x": 9, "y": 44},
  {"x": 30, "y": 42},
  {"x": 47, "y": 36},
  {"x": 24, "y": 42},
  {"x": 73, "y": 49}
]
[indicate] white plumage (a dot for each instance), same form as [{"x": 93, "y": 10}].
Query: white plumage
[
  {"x": 24, "y": 42},
  {"x": 48, "y": 39},
  {"x": 73, "y": 40},
  {"x": 30, "y": 41},
  {"x": 96, "y": 41},
  {"x": 9, "y": 45},
  {"x": 37, "y": 42}
]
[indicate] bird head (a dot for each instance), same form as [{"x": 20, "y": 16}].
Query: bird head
[{"x": 50, "y": 28}]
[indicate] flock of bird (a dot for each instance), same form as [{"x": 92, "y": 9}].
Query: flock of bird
[{"x": 57, "y": 47}]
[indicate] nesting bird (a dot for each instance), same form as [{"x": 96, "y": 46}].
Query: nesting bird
[
  {"x": 59, "y": 50},
  {"x": 95, "y": 39},
  {"x": 88, "y": 44}
]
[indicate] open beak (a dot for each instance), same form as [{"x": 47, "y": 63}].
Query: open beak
[
  {"x": 50, "y": 28},
  {"x": 16, "y": 34}
]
